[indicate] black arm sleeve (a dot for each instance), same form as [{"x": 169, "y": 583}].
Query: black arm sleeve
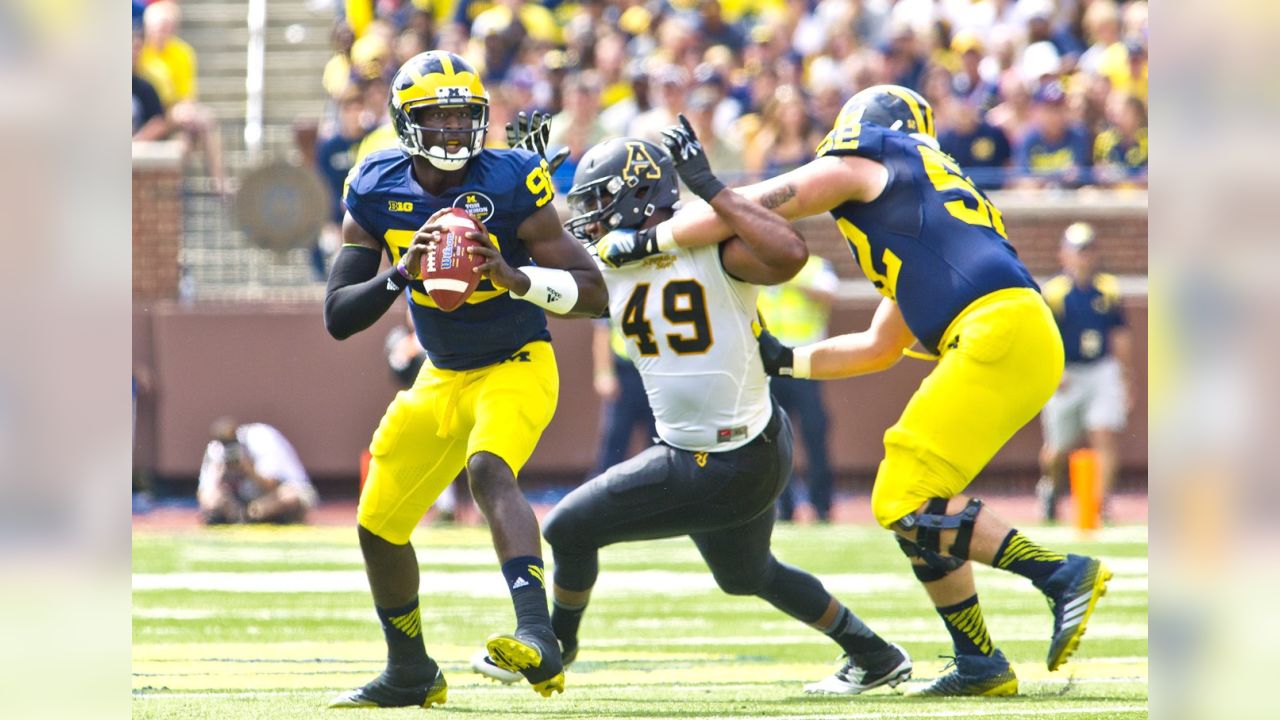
[{"x": 357, "y": 294}]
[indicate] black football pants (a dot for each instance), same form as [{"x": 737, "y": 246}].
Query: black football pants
[{"x": 723, "y": 501}]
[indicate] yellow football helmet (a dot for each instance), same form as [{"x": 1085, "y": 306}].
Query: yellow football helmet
[
  {"x": 891, "y": 106},
  {"x": 438, "y": 79}
]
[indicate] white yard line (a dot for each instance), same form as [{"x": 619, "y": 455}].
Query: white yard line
[
  {"x": 1131, "y": 577},
  {"x": 904, "y": 712}
]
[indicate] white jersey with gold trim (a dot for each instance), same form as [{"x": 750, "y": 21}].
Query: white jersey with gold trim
[{"x": 687, "y": 326}]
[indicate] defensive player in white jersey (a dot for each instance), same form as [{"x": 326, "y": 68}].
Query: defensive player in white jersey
[{"x": 724, "y": 456}]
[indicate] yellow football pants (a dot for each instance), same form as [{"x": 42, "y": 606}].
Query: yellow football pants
[
  {"x": 1001, "y": 361},
  {"x": 430, "y": 430}
]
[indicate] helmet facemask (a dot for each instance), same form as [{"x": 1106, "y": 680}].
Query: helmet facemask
[
  {"x": 611, "y": 203},
  {"x": 430, "y": 140}
]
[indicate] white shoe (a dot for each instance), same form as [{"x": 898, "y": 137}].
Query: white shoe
[
  {"x": 483, "y": 664},
  {"x": 891, "y": 668}
]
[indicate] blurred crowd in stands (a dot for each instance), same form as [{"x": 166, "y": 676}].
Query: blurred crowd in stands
[
  {"x": 1027, "y": 93},
  {"x": 164, "y": 87}
]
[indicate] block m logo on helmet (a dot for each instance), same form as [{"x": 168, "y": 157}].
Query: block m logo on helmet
[{"x": 458, "y": 94}]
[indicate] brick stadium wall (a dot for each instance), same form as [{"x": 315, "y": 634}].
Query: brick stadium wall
[
  {"x": 157, "y": 220},
  {"x": 276, "y": 364}
]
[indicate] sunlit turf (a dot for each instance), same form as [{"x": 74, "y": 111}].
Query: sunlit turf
[{"x": 658, "y": 641}]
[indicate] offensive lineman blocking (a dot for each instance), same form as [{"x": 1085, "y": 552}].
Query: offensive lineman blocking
[{"x": 936, "y": 249}]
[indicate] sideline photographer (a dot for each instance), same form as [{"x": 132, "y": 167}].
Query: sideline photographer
[{"x": 251, "y": 473}]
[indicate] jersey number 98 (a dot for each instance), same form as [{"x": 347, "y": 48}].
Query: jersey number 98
[{"x": 539, "y": 184}]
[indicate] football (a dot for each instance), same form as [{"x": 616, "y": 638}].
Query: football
[{"x": 447, "y": 267}]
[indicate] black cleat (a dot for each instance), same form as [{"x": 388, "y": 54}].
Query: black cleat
[
  {"x": 484, "y": 665},
  {"x": 886, "y": 667},
  {"x": 381, "y": 693},
  {"x": 532, "y": 652}
]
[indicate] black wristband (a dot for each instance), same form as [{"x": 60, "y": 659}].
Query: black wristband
[{"x": 710, "y": 189}]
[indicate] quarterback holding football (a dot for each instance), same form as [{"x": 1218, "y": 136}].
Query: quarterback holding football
[{"x": 489, "y": 386}]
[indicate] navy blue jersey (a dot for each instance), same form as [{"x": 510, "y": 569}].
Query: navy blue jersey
[
  {"x": 984, "y": 152},
  {"x": 1111, "y": 148},
  {"x": 1086, "y": 315},
  {"x": 931, "y": 242},
  {"x": 1062, "y": 162},
  {"x": 501, "y": 189}
]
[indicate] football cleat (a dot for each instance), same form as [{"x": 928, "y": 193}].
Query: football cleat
[
  {"x": 974, "y": 675},
  {"x": 1073, "y": 593},
  {"x": 886, "y": 667},
  {"x": 532, "y": 655},
  {"x": 483, "y": 664},
  {"x": 381, "y": 693}
]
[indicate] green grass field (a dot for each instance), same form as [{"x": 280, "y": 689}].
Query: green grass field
[{"x": 270, "y": 623}]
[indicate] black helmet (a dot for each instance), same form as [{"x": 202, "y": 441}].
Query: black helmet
[{"x": 619, "y": 184}]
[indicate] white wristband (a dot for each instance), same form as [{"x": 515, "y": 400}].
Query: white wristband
[
  {"x": 550, "y": 288},
  {"x": 800, "y": 362},
  {"x": 666, "y": 241}
]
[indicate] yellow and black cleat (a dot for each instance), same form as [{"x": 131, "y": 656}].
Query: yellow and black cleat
[
  {"x": 539, "y": 661},
  {"x": 1085, "y": 583},
  {"x": 974, "y": 675}
]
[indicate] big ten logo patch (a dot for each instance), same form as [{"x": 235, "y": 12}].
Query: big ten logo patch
[
  {"x": 700, "y": 458},
  {"x": 477, "y": 205}
]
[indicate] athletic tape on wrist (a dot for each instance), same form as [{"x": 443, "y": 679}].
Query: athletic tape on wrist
[
  {"x": 550, "y": 288},
  {"x": 666, "y": 240},
  {"x": 800, "y": 362}
]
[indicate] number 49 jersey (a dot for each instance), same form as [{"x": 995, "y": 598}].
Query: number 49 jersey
[
  {"x": 932, "y": 241},
  {"x": 687, "y": 326}
]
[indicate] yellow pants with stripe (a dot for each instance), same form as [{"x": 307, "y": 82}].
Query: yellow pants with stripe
[
  {"x": 430, "y": 431},
  {"x": 1001, "y": 361}
]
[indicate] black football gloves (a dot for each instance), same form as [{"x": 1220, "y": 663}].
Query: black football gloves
[
  {"x": 531, "y": 132},
  {"x": 691, "y": 160}
]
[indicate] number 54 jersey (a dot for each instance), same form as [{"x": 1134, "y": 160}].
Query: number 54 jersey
[
  {"x": 932, "y": 241},
  {"x": 688, "y": 329}
]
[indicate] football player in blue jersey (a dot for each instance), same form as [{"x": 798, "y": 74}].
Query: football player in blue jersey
[
  {"x": 489, "y": 386},
  {"x": 936, "y": 249}
]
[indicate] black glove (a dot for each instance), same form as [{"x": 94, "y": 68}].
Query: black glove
[
  {"x": 531, "y": 132},
  {"x": 691, "y": 160},
  {"x": 623, "y": 246},
  {"x": 778, "y": 359}
]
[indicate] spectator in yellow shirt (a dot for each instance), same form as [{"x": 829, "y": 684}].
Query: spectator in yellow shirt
[
  {"x": 1127, "y": 71},
  {"x": 170, "y": 64}
]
